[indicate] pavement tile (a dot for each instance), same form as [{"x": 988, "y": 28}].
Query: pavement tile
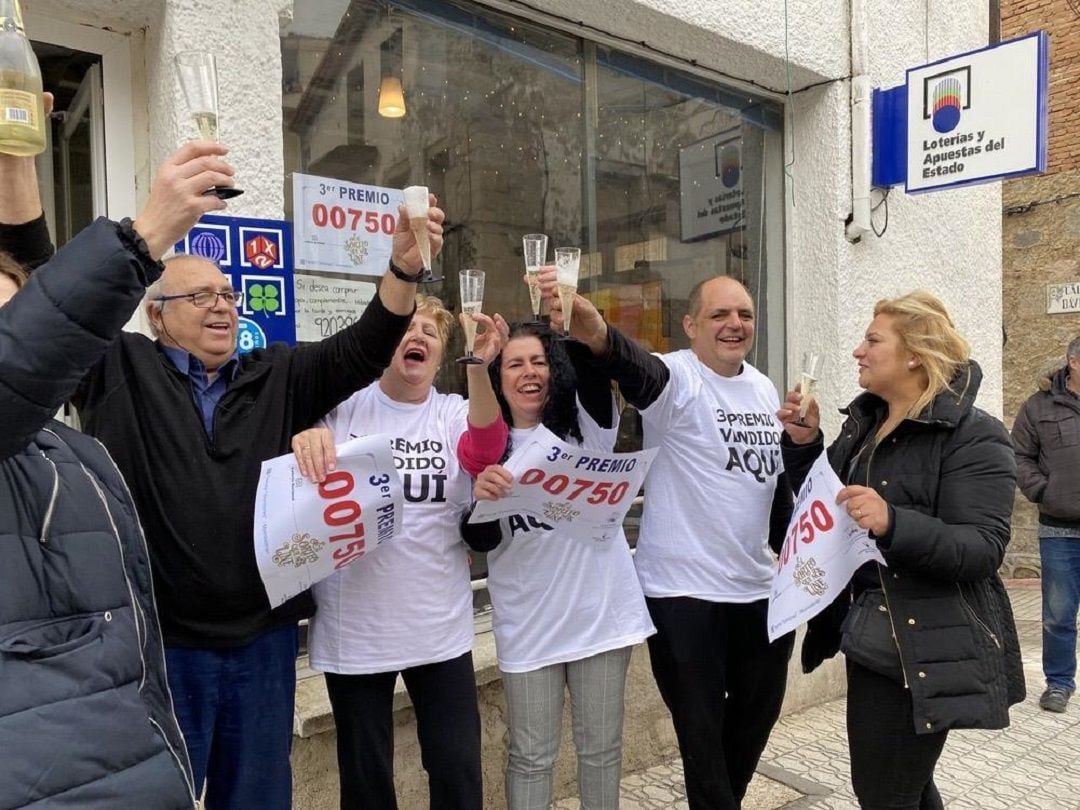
[{"x": 1032, "y": 765}]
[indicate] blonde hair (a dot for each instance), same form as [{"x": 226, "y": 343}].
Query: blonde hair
[
  {"x": 926, "y": 330},
  {"x": 435, "y": 309}
]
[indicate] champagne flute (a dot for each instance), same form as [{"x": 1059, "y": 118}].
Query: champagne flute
[
  {"x": 472, "y": 299},
  {"x": 416, "y": 204},
  {"x": 197, "y": 71},
  {"x": 535, "y": 245},
  {"x": 567, "y": 265},
  {"x": 808, "y": 379}
]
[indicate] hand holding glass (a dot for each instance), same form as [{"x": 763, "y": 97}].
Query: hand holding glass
[
  {"x": 567, "y": 264},
  {"x": 535, "y": 245},
  {"x": 472, "y": 299},
  {"x": 416, "y": 205},
  {"x": 808, "y": 379},
  {"x": 197, "y": 71}
]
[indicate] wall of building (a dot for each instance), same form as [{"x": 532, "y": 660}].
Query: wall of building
[
  {"x": 1041, "y": 239},
  {"x": 945, "y": 241}
]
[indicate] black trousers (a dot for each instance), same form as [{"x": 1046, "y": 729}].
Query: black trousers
[
  {"x": 447, "y": 725},
  {"x": 724, "y": 685},
  {"x": 892, "y": 767}
]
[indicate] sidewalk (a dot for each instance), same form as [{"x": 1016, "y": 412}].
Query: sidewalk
[{"x": 1032, "y": 765}]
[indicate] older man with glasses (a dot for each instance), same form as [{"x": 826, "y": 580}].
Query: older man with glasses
[{"x": 189, "y": 422}]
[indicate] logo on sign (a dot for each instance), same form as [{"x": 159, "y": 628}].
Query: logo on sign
[
  {"x": 261, "y": 252},
  {"x": 728, "y": 166},
  {"x": 263, "y": 295},
  {"x": 262, "y": 248},
  {"x": 210, "y": 242},
  {"x": 810, "y": 577},
  {"x": 249, "y": 336},
  {"x": 944, "y": 96},
  {"x": 301, "y": 550}
]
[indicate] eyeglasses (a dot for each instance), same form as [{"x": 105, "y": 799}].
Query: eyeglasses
[{"x": 207, "y": 299}]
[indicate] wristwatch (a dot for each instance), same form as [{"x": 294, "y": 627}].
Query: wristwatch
[{"x": 406, "y": 277}]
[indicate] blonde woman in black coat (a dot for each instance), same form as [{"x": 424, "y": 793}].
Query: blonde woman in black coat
[{"x": 929, "y": 638}]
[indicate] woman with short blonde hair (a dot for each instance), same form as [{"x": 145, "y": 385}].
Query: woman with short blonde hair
[{"x": 929, "y": 636}]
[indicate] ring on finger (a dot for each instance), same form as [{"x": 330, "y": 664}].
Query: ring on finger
[{"x": 857, "y": 513}]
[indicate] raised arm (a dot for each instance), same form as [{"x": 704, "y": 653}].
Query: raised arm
[
  {"x": 23, "y": 232},
  {"x": 57, "y": 327},
  {"x": 484, "y": 442},
  {"x": 325, "y": 373},
  {"x": 641, "y": 376}
]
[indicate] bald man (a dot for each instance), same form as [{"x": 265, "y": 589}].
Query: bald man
[
  {"x": 715, "y": 501},
  {"x": 189, "y": 421}
]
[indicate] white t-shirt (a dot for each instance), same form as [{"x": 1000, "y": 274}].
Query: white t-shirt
[
  {"x": 557, "y": 598},
  {"x": 410, "y": 603},
  {"x": 708, "y": 495}
]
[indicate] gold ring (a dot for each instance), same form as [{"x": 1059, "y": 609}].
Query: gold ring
[{"x": 857, "y": 513}]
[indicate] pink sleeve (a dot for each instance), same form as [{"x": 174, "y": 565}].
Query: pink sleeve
[{"x": 479, "y": 447}]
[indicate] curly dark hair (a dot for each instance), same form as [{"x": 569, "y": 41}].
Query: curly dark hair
[{"x": 560, "y": 414}]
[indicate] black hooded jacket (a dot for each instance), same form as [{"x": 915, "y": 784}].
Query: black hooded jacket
[
  {"x": 948, "y": 477},
  {"x": 1046, "y": 434},
  {"x": 85, "y": 713}
]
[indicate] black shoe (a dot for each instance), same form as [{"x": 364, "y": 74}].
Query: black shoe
[{"x": 1055, "y": 699}]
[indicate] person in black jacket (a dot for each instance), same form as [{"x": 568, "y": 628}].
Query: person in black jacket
[
  {"x": 1046, "y": 435},
  {"x": 189, "y": 422},
  {"x": 86, "y": 717},
  {"x": 929, "y": 637}
]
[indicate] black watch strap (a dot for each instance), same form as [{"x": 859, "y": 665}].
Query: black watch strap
[{"x": 406, "y": 277}]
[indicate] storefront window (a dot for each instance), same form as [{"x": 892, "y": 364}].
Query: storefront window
[{"x": 662, "y": 178}]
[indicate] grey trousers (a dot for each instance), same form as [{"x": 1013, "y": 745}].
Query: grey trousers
[{"x": 535, "y": 706}]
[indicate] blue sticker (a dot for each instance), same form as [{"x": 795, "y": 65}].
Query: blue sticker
[{"x": 250, "y": 336}]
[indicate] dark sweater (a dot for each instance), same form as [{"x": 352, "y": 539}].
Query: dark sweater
[{"x": 196, "y": 498}]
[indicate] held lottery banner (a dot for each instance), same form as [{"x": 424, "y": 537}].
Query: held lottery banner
[
  {"x": 304, "y": 532},
  {"x": 822, "y": 549},
  {"x": 343, "y": 227},
  {"x": 586, "y": 493}
]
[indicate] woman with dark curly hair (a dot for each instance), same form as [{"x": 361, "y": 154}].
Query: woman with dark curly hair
[{"x": 567, "y": 611}]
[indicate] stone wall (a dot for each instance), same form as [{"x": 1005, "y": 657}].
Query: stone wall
[{"x": 1040, "y": 241}]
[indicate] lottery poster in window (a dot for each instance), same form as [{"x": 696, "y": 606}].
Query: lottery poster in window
[
  {"x": 585, "y": 493},
  {"x": 343, "y": 227},
  {"x": 822, "y": 549},
  {"x": 304, "y": 532}
]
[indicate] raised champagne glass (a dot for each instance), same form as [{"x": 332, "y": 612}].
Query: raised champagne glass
[
  {"x": 535, "y": 245},
  {"x": 197, "y": 71},
  {"x": 416, "y": 205},
  {"x": 567, "y": 266},
  {"x": 808, "y": 380},
  {"x": 472, "y": 300}
]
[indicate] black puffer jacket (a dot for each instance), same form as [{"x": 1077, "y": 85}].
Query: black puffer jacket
[
  {"x": 949, "y": 478},
  {"x": 1046, "y": 434},
  {"x": 85, "y": 713}
]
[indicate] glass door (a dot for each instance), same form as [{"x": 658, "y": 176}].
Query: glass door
[{"x": 81, "y": 149}]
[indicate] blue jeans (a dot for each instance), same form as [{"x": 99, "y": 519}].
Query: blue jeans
[
  {"x": 1060, "y": 603},
  {"x": 235, "y": 707}
]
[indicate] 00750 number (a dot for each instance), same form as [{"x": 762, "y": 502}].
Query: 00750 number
[
  {"x": 342, "y": 512},
  {"x": 599, "y": 492},
  {"x": 352, "y": 219}
]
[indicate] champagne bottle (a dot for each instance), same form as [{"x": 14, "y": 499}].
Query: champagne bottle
[{"x": 22, "y": 112}]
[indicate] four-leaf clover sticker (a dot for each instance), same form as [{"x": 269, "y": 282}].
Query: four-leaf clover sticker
[{"x": 263, "y": 298}]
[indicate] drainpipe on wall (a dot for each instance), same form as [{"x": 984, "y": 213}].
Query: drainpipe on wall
[{"x": 859, "y": 223}]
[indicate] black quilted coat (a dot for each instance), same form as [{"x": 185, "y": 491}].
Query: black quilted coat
[
  {"x": 949, "y": 478},
  {"x": 85, "y": 713}
]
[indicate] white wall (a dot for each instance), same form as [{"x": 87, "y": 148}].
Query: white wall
[{"x": 948, "y": 242}]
